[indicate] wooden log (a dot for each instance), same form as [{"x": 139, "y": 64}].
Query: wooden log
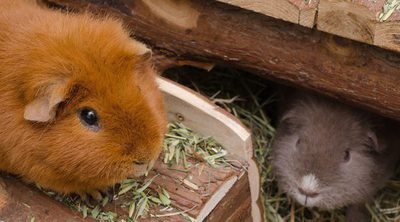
[{"x": 344, "y": 69}]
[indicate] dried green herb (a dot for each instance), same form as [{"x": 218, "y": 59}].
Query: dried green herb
[
  {"x": 388, "y": 8},
  {"x": 182, "y": 143}
]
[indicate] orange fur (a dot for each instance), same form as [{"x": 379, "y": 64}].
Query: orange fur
[{"x": 92, "y": 63}]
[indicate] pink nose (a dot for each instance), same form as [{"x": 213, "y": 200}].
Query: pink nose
[{"x": 308, "y": 193}]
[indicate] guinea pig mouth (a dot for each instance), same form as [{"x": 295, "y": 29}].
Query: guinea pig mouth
[
  {"x": 307, "y": 191},
  {"x": 150, "y": 165},
  {"x": 141, "y": 168},
  {"x": 307, "y": 201}
]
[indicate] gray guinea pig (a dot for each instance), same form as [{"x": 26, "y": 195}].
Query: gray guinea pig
[{"x": 328, "y": 155}]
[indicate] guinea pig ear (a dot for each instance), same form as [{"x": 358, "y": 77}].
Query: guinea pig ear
[
  {"x": 138, "y": 59},
  {"x": 143, "y": 51},
  {"x": 373, "y": 142},
  {"x": 146, "y": 57},
  {"x": 43, "y": 108},
  {"x": 288, "y": 124},
  {"x": 145, "y": 54}
]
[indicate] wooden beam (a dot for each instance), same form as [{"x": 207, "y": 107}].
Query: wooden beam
[{"x": 350, "y": 71}]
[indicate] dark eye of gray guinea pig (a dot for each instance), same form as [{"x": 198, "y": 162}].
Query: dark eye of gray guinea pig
[
  {"x": 346, "y": 156},
  {"x": 298, "y": 142},
  {"x": 89, "y": 118}
]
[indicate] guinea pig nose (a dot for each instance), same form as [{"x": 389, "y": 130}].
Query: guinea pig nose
[{"x": 307, "y": 192}]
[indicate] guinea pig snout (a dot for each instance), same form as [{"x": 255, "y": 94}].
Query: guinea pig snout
[
  {"x": 141, "y": 167},
  {"x": 308, "y": 191},
  {"x": 139, "y": 162},
  {"x": 309, "y": 186}
]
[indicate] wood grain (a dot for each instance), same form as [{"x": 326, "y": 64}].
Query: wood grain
[
  {"x": 346, "y": 19},
  {"x": 355, "y": 19},
  {"x": 199, "y": 202},
  {"x": 359, "y": 20},
  {"x": 295, "y": 11},
  {"x": 236, "y": 206},
  {"x": 208, "y": 180},
  {"x": 349, "y": 71},
  {"x": 21, "y": 203}
]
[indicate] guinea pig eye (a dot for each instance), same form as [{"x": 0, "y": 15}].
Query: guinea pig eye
[
  {"x": 346, "y": 155},
  {"x": 298, "y": 142},
  {"x": 89, "y": 118}
]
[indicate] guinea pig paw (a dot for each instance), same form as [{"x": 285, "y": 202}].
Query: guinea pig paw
[
  {"x": 109, "y": 193},
  {"x": 91, "y": 198},
  {"x": 82, "y": 195},
  {"x": 95, "y": 195}
]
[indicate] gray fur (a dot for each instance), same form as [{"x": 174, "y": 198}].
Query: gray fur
[{"x": 326, "y": 130}]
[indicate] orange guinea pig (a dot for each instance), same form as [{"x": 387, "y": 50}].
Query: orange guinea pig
[{"x": 80, "y": 109}]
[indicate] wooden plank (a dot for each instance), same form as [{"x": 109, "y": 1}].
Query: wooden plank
[
  {"x": 347, "y": 70},
  {"x": 295, "y": 11},
  {"x": 363, "y": 20},
  {"x": 339, "y": 17},
  {"x": 232, "y": 210},
  {"x": 307, "y": 12},
  {"x": 387, "y": 34},
  {"x": 360, "y": 20}
]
